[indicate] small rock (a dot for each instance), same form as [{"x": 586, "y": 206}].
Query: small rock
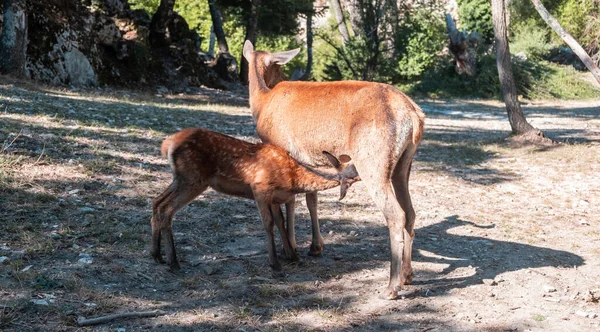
[
  {"x": 352, "y": 233},
  {"x": 27, "y": 268},
  {"x": 121, "y": 329},
  {"x": 549, "y": 289},
  {"x": 208, "y": 270},
  {"x": 460, "y": 315},
  {"x": 17, "y": 254},
  {"x": 55, "y": 235},
  {"x": 4, "y": 247},
  {"x": 87, "y": 209},
  {"x": 85, "y": 258},
  {"x": 584, "y": 222},
  {"x": 74, "y": 191},
  {"x": 4, "y": 260},
  {"x": 39, "y": 302},
  {"x": 330, "y": 233},
  {"x": 75, "y": 246},
  {"x": 328, "y": 224},
  {"x": 90, "y": 304},
  {"x": 489, "y": 282},
  {"x": 161, "y": 90}
]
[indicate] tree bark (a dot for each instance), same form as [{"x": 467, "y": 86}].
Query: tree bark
[
  {"x": 13, "y": 44},
  {"x": 573, "y": 44},
  {"x": 336, "y": 7},
  {"x": 517, "y": 120},
  {"x": 215, "y": 15},
  {"x": 160, "y": 21},
  {"x": 251, "y": 36},
  {"x": 309, "y": 50}
]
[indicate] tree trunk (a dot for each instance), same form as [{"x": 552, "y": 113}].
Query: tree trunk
[
  {"x": 215, "y": 14},
  {"x": 336, "y": 7},
  {"x": 251, "y": 36},
  {"x": 356, "y": 18},
  {"x": 517, "y": 120},
  {"x": 573, "y": 44},
  {"x": 13, "y": 44},
  {"x": 309, "y": 50},
  {"x": 211, "y": 41},
  {"x": 159, "y": 35}
]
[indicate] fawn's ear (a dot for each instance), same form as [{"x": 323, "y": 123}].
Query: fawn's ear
[
  {"x": 345, "y": 158},
  {"x": 332, "y": 159},
  {"x": 281, "y": 58},
  {"x": 248, "y": 49}
]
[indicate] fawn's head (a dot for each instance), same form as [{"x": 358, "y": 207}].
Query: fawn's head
[{"x": 346, "y": 171}]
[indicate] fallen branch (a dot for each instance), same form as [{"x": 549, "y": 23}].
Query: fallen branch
[{"x": 82, "y": 321}]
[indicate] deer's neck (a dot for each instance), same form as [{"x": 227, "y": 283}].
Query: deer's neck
[
  {"x": 309, "y": 179},
  {"x": 256, "y": 86}
]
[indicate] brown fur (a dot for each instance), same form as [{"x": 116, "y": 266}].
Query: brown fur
[
  {"x": 266, "y": 173},
  {"x": 375, "y": 124}
]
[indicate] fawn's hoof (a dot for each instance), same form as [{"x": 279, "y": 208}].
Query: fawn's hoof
[{"x": 158, "y": 258}]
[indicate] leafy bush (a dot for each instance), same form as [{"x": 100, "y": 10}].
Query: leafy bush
[
  {"x": 476, "y": 15},
  {"x": 423, "y": 36},
  {"x": 534, "y": 79},
  {"x": 531, "y": 40}
]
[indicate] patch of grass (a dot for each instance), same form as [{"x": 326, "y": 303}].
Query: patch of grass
[
  {"x": 538, "y": 318},
  {"x": 101, "y": 166}
]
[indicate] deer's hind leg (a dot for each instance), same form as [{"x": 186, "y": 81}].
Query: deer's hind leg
[
  {"x": 400, "y": 183},
  {"x": 178, "y": 195}
]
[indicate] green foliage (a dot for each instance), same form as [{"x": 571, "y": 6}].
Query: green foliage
[
  {"x": 534, "y": 79},
  {"x": 581, "y": 18},
  {"x": 476, "y": 15},
  {"x": 423, "y": 36},
  {"x": 150, "y": 6},
  {"x": 531, "y": 40}
]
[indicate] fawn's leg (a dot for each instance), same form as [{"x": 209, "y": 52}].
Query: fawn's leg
[
  {"x": 290, "y": 253},
  {"x": 267, "y": 218},
  {"x": 180, "y": 195}
]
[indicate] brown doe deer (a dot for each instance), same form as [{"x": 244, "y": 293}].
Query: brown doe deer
[
  {"x": 375, "y": 124},
  {"x": 262, "y": 172}
]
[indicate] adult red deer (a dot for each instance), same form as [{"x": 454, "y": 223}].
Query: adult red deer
[{"x": 378, "y": 126}]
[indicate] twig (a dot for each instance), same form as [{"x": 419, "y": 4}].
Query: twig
[
  {"x": 82, "y": 321},
  {"x": 41, "y": 154},
  {"x": 11, "y": 143},
  {"x": 145, "y": 276}
]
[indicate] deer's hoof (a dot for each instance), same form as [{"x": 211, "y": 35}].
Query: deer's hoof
[{"x": 315, "y": 250}]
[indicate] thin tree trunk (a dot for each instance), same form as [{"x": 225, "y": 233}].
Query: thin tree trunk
[
  {"x": 215, "y": 14},
  {"x": 336, "y": 7},
  {"x": 251, "y": 36},
  {"x": 553, "y": 23},
  {"x": 211, "y": 41},
  {"x": 517, "y": 120},
  {"x": 159, "y": 23},
  {"x": 309, "y": 50},
  {"x": 13, "y": 44}
]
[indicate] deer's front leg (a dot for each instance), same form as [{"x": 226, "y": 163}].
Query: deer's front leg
[{"x": 317, "y": 245}]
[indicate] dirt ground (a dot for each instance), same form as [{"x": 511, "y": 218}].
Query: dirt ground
[{"x": 507, "y": 238}]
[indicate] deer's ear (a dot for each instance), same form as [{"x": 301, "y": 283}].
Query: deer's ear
[
  {"x": 248, "y": 49},
  {"x": 332, "y": 159},
  {"x": 345, "y": 158},
  {"x": 281, "y": 58}
]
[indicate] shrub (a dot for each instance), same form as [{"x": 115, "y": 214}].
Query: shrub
[{"x": 476, "y": 15}]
